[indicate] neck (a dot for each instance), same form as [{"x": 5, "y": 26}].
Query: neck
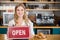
[{"x": 21, "y": 19}]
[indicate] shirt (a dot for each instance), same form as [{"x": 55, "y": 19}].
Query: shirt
[{"x": 30, "y": 25}]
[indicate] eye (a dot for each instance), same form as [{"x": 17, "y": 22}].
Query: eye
[
  {"x": 21, "y": 9},
  {"x": 17, "y": 9}
]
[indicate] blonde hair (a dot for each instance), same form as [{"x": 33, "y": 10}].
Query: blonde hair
[{"x": 24, "y": 16}]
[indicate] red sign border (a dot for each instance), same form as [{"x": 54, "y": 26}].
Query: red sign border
[{"x": 17, "y": 38}]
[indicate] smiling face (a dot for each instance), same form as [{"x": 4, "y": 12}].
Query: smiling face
[{"x": 20, "y": 11}]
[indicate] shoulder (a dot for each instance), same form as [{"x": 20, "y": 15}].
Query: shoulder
[
  {"x": 11, "y": 23},
  {"x": 30, "y": 23}
]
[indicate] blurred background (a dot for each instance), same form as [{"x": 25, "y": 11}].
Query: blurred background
[{"x": 45, "y": 15}]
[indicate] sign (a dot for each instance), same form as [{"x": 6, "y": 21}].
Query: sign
[{"x": 18, "y": 32}]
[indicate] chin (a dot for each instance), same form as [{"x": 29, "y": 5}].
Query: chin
[{"x": 20, "y": 15}]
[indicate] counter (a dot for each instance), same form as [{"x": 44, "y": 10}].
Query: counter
[{"x": 49, "y": 37}]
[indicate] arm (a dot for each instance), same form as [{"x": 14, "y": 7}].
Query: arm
[{"x": 31, "y": 29}]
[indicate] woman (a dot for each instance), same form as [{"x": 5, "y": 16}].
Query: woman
[{"x": 21, "y": 19}]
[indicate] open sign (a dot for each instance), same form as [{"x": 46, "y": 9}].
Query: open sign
[{"x": 18, "y": 32}]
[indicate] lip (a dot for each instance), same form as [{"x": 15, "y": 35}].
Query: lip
[{"x": 20, "y": 14}]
